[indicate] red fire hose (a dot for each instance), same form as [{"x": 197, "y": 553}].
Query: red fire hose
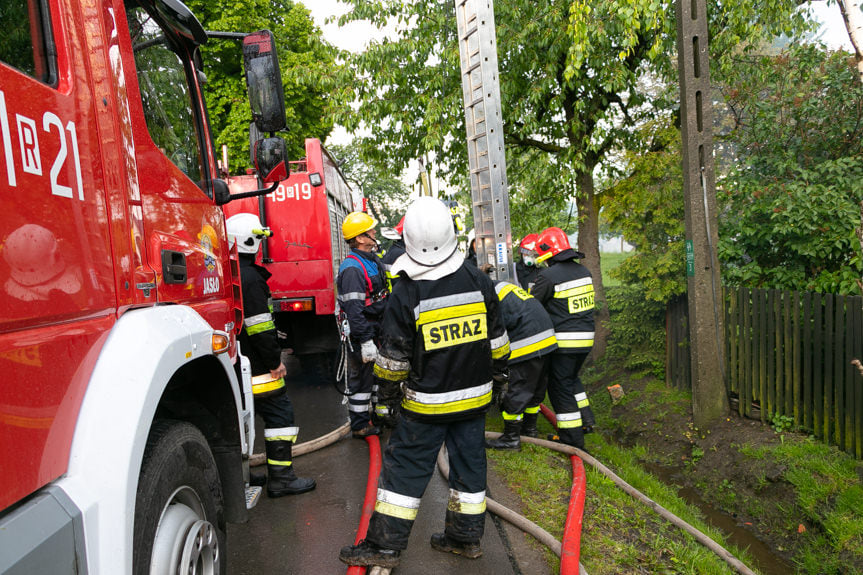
[
  {"x": 371, "y": 495},
  {"x": 571, "y": 542}
]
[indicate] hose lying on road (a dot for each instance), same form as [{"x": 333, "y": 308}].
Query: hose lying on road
[
  {"x": 698, "y": 535},
  {"x": 509, "y": 515},
  {"x": 371, "y": 495},
  {"x": 308, "y": 446}
]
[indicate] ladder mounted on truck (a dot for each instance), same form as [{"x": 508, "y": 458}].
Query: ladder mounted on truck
[{"x": 487, "y": 158}]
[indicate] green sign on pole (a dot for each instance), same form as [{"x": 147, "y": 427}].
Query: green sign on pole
[{"x": 690, "y": 259}]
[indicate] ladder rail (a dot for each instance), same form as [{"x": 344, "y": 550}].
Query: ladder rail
[{"x": 485, "y": 142}]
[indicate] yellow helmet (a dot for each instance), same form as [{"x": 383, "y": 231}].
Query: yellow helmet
[{"x": 357, "y": 223}]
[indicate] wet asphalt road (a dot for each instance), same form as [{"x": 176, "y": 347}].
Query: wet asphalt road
[{"x": 302, "y": 534}]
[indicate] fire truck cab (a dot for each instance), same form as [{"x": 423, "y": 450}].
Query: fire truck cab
[{"x": 124, "y": 418}]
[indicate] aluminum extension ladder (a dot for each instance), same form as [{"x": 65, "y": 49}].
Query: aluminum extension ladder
[{"x": 481, "y": 89}]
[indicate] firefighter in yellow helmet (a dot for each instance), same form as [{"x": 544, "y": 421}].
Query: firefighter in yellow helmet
[{"x": 362, "y": 288}]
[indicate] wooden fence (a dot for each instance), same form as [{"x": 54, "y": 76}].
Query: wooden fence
[{"x": 786, "y": 354}]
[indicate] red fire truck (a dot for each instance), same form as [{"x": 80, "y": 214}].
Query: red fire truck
[
  {"x": 305, "y": 214},
  {"x": 123, "y": 422}
]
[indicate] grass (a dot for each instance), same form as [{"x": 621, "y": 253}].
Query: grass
[
  {"x": 609, "y": 261},
  {"x": 623, "y": 536},
  {"x": 619, "y": 534}
]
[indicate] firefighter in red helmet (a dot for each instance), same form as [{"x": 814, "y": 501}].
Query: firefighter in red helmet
[
  {"x": 565, "y": 288},
  {"x": 442, "y": 343},
  {"x": 525, "y": 267}
]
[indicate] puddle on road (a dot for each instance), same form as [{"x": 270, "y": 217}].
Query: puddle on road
[{"x": 766, "y": 561}]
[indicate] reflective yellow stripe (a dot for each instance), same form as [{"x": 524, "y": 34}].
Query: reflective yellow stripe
[
  {"x": 291, "y": 438},
  {"x": 268, "y": 386},
  {"x": 500, "y": 352},
  {"x": 532, "y": 410},
  {"x": 391, "y": 375},
  {"x": 450, "y": 312},
  {"x": 542, "y": 344},
  {"x": 278, "y": 463},
  {"x": 568, "y": 420},
  {"x": 575, "y": 342},
  {"x": 511, "y": 416},
  {"x": 508, "y": 288},
  {"x": 448, "y": 407},
  {"x": 260, "y": 327},
  {"x": 471, "y": 508},
  {"x": 395, "y": 510},
  {"x": 581, "y": 398},
  {"x": 572, "y": 292}
]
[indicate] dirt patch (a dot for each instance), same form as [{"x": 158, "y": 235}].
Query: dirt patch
[{"x": 708, "y": 464}]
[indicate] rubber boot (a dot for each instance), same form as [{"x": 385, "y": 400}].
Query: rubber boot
[
  {"x": 441, "y": 542},
  {"x": 509, "y": 439},
  {"x": 528, "y": 425},
  {"x": 367, "y": 554},
  {"x": 281, "y": 478}
]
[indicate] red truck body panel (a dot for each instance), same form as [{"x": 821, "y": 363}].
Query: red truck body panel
[
  {"x": 306, "y": 248},
  {"x": 89, "y": 205}
]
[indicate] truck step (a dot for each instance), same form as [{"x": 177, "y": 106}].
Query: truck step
[{"x": 253, "y": 494}]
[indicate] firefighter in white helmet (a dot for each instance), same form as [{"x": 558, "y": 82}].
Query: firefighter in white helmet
[
  {"x": 258, "y": 341},
  {"x": 442, "y": 343}
]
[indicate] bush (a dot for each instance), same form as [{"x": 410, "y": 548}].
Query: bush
[{"x": 637, "y": 327}]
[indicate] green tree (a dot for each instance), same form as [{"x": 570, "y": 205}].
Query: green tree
[
  {"x": 388, "y": 194},
  {"x": 570, "y": 91},
  {"x": 308, "y": 66},
  {"x": 791, "y": 204},
  {"x": 646, "y": 207}
]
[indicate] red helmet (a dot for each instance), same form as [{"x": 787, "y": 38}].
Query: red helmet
[
  {"x": 400, "y": 227},
  {"x": 528, "y": 244},
  {"x": 551, "y": 242}
]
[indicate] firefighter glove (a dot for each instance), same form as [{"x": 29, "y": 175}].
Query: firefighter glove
[
  {"x": 389, "y": 402},
  {"x": 369, "y": 351}
]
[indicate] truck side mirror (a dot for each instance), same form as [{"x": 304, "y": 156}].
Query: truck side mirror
[
  {"x": 221, "y": 192},
  {"x": 271, "y": 159},
  {"x": 264, "y": 81}
]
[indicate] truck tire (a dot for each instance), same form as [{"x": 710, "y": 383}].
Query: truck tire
[{"x": 179, "y": 517}]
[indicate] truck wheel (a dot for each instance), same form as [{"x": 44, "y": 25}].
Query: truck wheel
[{"x": 179, "y": 522}]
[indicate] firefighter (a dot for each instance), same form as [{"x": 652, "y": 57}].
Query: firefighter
[
  {"x": 258, "y": 341},
  {"x": 525, "y": 267},
  {"x": 531, "y": 335},
  {"x": 396, "y": 249},
  {"x": 442, "y": 344},
  {"x": 362, "y": 290},
  {"x": 565, "y": 288}
]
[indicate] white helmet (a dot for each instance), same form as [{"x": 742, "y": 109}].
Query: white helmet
[
  {"x": 247, "y": 231},
  {"x": 428, "y": 233}
]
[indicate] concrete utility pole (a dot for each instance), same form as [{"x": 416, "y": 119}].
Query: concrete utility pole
[
  {"x": 481, "y": 90},
  {"x": 704, "y": 285}
]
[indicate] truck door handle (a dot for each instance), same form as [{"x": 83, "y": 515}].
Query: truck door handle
[{"x": 173, "y": 267}]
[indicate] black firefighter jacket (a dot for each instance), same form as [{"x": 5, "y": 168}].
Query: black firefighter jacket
[
  {"x": 258, "y": 339},
  {"x": 445, "y": 339},
  {"x": 530, "y": 331},
  {"x": 565, "y": 288}
]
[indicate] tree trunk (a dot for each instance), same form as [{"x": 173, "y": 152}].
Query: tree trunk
[
  {"x": 588, "y": 243},
  {"x": 854, "y": 24}
]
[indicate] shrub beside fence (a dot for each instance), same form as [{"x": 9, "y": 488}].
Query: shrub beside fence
[{"x": 787, "y": 356}]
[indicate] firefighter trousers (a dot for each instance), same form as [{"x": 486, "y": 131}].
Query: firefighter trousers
[
  {"x": 527, "y": 380},
  {"x": 360, "y": 378},
  {"x": 279, "y": 430},
  {"x": 568, "y": 397},
  {"x": 409, "y": 461}
]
